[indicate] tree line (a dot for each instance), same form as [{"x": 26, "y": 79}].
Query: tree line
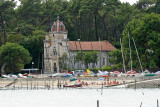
[{"x": 89, "y": 20}]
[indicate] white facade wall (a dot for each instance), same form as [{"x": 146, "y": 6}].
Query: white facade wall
[{"x": 103, "y": 61}]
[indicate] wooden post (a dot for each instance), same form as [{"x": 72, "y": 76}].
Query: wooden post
[
  {"x": 141, "y": 104},
  {"x": 97, "y": 103},
  {"x": 27, "y": 83},
  {"x": 45, "y": 84},
  {"x": 31, "y": 84},
  {"x": 37, "y": 85},
  {"x": 21, "y": 84},
  {"x": 52, "y": 83},
  {"x": 14, "y": 84},
  {"x": 135, "y": 83},
  {"x": 102, "y": 89},
  {"x": 49, "y": 83},
  {"x": 58, "y": 84},
  {"x": 157, "y": 103},
  {"x": 63, "y": 83}
]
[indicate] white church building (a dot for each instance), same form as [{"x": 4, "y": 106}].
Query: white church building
[{"x": 56, "y": 44}]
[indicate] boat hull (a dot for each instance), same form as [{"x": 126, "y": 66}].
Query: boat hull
[{"x": 77, "y": 85}]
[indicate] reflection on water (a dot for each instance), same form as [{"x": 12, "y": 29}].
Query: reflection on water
[{"x": 80, "y": 98}]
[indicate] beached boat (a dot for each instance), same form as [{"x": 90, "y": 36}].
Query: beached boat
[
  {"x": 88, "y": 73},
  {"x": 5, "y": 76},
  {"x": 73, "y": 79},
  {"x": 149, "y": 75},
  {"x": 75, "y": 85},
  {"x": 104, "y": 76},
  {"x": 131, "y": 73}
]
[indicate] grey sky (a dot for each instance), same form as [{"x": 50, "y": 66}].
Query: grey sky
[{"x": 130, "y": 1}]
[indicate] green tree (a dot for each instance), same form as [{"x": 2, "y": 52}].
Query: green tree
[
  {"x": 116, "y": 58},
  {"x": 24, "y": 29},
  {"x": 155, "y": 8},
  {"x": 145, "y": 4},
  {"x": 146, "y": 33},
  {"x": 30, "y": 11},
  {"x": 79, "y": 56},
  {"x": 14, "y": 56},
  {"x": 63, "y": 62},
  {"x": 14, "y": 38},
  {"x": 7, "y": 16},
  {"x": 90, "y": 57},
  {"x": 34, "y": 44},
  {"x": 86, "y": 57}
]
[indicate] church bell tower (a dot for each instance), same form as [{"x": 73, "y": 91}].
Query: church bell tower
[{"x": 55, "y": 45}]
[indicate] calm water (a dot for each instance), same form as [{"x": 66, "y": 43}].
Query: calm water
[{"x": 80, "y": 98}]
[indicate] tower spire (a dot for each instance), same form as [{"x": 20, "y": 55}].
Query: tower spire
[
  {"x": 58, "y": 17},
  {"x": 58, "y": 23}
]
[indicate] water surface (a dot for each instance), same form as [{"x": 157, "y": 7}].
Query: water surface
[{"x": 80, "y": 98}]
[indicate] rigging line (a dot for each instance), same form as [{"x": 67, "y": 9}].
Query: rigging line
[
  {"x": 69, "y": 54},
  {"x": 137, "y": 54},
  {"x": 100, "y": 51},
  {"x": 74, "y": 57},
  {"x": 130, "y": 49},
  {"x": 92, "y": 52},
  {"x": 123, "y": 56}
]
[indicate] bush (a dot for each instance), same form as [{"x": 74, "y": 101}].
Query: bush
[{"x": 107, "y": 68}]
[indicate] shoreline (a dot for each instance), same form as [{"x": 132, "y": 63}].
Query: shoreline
[{"x": 92, "y": 82}]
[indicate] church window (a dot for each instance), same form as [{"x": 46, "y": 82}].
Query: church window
[
  {"x": 103, "y": 60},
  {"x": 53, "y": 28},
  {"x": 54, "y": 65},
  {"x": 54, "y": 51},
  {"x": 55, "y": 68},
  {"x": 61, "y": 27},
  {"x": 73, "y": 59}
]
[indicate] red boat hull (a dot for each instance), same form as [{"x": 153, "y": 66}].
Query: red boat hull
[{"x": 77, "y": 85}]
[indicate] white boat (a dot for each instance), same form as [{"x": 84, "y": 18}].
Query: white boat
[
  {"x": 5, "y": 76},
  {"x": 157, "y": 73},
  {"x": 54, "y": 75},
  {"x": 21, "y": 76}
]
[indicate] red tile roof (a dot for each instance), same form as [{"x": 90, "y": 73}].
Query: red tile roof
[{"x": 87, "y": 45}]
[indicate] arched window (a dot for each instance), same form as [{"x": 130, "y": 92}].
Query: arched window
[
  {"x": 55, "y": 68},
  {"x": 53, "y": 28},
  {"x": 103, "y": 60},
  {"x": 54, "y": 51},
  {"x": 61, "y": 27}
]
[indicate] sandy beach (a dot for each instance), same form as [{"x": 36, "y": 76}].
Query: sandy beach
[{"x": 47, "y": 82}]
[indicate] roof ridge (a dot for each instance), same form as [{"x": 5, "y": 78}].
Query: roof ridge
[
  {"x": 90, "y": 41},
  {"x": 86, "y": 45}
]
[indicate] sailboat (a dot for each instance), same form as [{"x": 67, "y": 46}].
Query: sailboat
[
  {"x": 88, "y": 73},
  {"x": 131, "y": 72}
]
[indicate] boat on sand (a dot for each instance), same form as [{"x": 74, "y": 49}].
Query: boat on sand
[{"x": 75, "y": 85}]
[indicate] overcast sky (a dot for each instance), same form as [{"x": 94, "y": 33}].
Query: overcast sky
[{"x": 130, "y": 1}]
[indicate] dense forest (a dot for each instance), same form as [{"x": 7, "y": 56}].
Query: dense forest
[{"x": 89, "y": 20}]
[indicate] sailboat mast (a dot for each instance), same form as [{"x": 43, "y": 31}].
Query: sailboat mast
[
  {"x": 137, "y": 54},
  {"x": 100, "y": 52},
  {"x": 130, "y": 50},
  {"x": 123, "y": 56}
]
